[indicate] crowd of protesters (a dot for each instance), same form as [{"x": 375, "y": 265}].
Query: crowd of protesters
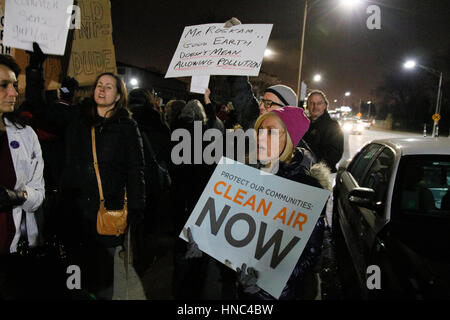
[{"x": 132, "y": 134}]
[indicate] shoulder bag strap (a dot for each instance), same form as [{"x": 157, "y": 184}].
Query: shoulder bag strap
[
  {"x": 97, "y": 173},
  {"x": 149, "y": 146}
]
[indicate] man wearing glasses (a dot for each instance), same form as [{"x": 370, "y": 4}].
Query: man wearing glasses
[
  {"x": 324, "y": 136},
  {"x": 275, "y": 97}
]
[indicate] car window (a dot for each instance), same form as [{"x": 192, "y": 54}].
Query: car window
[
  {"x": 377, "y": 178},
  {"x": 423, "y": 185},
  {"x": 360, "y": 163}
]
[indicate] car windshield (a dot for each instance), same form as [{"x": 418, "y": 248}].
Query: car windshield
[{"x": 422, "y": 186}]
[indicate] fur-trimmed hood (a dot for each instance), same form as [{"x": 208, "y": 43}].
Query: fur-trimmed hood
[
  {"x": 303, "y": 169},
  {"x": 322, "y": 173}
]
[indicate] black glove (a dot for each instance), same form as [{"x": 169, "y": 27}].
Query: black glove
[
  {"x": 37, "y": 57},
  {"x": 11, "y": 198},
  {"x": 248, "y": 280},
  {"x": 68, "y": 87},
  {"x": 192, "y": 248}
]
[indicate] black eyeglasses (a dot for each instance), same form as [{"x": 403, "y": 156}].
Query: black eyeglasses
[{"x": 268, "y": 103}]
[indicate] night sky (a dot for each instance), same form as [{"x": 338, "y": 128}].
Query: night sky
[{"x": 338, "y": 44}]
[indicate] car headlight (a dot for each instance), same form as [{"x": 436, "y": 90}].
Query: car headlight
[{"x": 348, "y": 126}]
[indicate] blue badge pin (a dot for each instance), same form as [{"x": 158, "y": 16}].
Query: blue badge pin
[{"x": 14, "y": 144}]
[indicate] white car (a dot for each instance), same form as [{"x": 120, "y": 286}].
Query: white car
[
  {"x": 392, "y": 210},
  {"x": 366, "y": 123},
  {"x": 352, "y": 126}
]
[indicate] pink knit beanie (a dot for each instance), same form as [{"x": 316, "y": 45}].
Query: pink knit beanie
[{"x": 295, "y": 121}]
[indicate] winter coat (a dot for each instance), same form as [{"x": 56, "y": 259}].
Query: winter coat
[
  {"x": 317, "y": 176},
  {"x": 213, "y": 121},
  {"x": 29, "y": 168},
  {"x": 157, "y": 130},
  {"x": 120, "y": 161},
  {"x": 244, "y": 102},
  {"x": 326, "y": 140}
]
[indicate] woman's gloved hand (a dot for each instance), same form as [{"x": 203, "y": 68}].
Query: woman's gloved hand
[
  {"x": 11, "y": 198},
  {"x": 37, "y": 57},
  {"x": 247, "y": 280},
  {"x": 192, "y": 248},
  {"x": 232, "y": 22}
]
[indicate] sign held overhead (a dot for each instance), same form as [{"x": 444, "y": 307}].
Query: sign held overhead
[
  {"x": 211, "y": 49},
  {"x": 44, "y": 22}
]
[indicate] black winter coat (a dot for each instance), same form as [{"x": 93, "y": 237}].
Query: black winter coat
[
  {"x": 121, "y": 165},
  {"x": 157, "y": 130},
  {"x": 244, "y": 101},
  {"x": 326, "y": 140}
]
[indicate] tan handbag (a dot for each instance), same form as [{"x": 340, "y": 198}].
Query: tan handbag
[{"x": 109, "y": 222}]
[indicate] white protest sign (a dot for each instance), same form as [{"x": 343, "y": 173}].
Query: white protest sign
[
  {"x": 43, "y": 21},
  {"x": 264, "y": 221},
  {"x": 211, "y": 49},
  {"x": 199, "y": 84}
]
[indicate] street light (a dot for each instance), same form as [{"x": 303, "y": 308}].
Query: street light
[
  {"x": 350, "y": 3},
  {"x": 317, "y": 78},
  {"x": 347, "y": 3},
  {"x": 134, "y": 82},
  {"x": 411, "y": 64},
  {"x": 268, "y": 53},
  {"x": 347, "y": 94}
]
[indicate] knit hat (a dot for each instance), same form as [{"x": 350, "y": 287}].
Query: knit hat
[
  {"x": 285, "y": 94},
  {"x": 294, "y": 120}
]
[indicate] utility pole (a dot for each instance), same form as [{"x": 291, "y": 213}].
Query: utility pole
[{"x": 299, "y": 81}]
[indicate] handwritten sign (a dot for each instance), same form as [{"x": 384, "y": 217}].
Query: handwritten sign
[
  {"x": 92, "y": 47},
  {"x": 211, "y": 49},
  {"x": 199, "y": 84},
  {"x": 43, "y": 21},
  {"x": 264, "y": 221},
  {"x": 3, "y": 49}
]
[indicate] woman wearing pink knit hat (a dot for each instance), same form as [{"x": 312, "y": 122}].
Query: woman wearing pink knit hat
[{"x": 280, "y": 146}]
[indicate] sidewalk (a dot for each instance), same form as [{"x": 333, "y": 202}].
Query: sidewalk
[{"x": 155, "y": 282}]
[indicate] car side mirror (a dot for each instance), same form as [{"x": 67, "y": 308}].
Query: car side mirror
[
  {"x": 343, "y": 165},
  {"x": 363, "y": 197}
]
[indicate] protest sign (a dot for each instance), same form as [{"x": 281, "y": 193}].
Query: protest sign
[
  {"x": 199, "y": 84},
  {"x": 92, "y": 47},
  {"x": 264, "y": 221},
  {"x": 44, "y": 22},
  {"x": 3, "y": 48},
  {"x": 211, "y": 49}
]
